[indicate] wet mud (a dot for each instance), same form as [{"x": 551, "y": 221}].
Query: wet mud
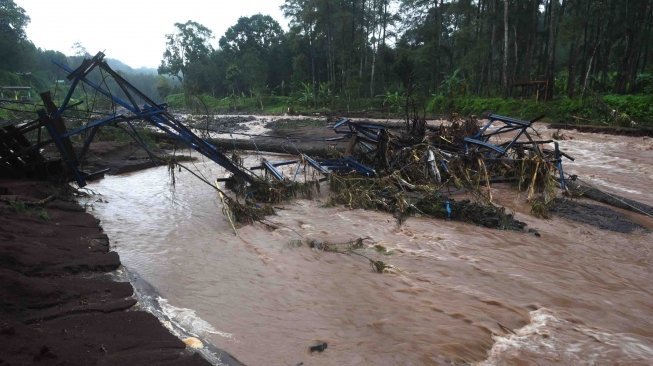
[
  {"x": 602, "y": 217},
  {"x": 57, "y": 305},
  {"x": 218, "y": 123},
  {"x": 610, "y": 130}
]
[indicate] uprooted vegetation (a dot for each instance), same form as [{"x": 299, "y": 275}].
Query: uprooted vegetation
[
  {"x": 352, "y": 247},
  {"x": 416, "y": 172},
  {"x": 389, "y": 194}
]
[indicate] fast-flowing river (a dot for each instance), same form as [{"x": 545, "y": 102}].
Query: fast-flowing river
[{"x": 456, "y": 294}]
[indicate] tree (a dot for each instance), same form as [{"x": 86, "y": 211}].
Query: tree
[
  {"x": 254, "y": 45},
  {"x": 189, "y": 44},
  {"x": 13, "y": 21},
  {"x": 302, "y": 15},
  {"x": 258, "y": 32},
  {"x": 163, "y": 86},
  {"x": 505, "y": 46},
  {"x": 356, "y": 48},
  {"x": 551, "y": 49},
  {"x": 80, "y": 50}
]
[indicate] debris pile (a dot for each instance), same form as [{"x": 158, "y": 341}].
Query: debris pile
[
  {"x": 418, "y": 173},
  {"x": 351, "y": 247}
]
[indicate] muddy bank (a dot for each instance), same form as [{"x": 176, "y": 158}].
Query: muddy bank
[
  {"x": 124, "y": 157},
  {"x": 594, "y": 215},
  {"x": 609, "y": 130},
  {"x": 58, "y": 306},
  {"x": 311, "y": 141},
  {"x": 217, "y": 123},
  {"x": 283, "y": 146},
  {"x": 583, "y": 189}
]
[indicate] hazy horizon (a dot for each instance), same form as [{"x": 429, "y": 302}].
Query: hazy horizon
[{"x": 131, "y": 31}]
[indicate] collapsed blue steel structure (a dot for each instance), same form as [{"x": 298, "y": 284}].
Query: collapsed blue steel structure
[
  {"x": 138, "y": 106},
  {"x": 515, "y": 129},
  {"x": 156, "y": 114},
  {"x": 495, "y": 140}
]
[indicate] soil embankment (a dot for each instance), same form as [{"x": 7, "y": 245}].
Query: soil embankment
[
  {"x": 609, "y": 130},
  {"x": 58, "y": 304},
  {"x": 123, "y": 157}
]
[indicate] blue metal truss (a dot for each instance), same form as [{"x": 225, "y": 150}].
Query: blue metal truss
[{"x": 156, "y": 114}]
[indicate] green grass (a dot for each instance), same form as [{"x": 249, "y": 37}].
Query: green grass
[
  {"x": 273, "y": 105},
  {"x": 639, "y": 107},
  {"x": 613, "y": 110},
  {"x": 18, "y": 206},
  {"x": 43, "y": 215},
  {"x": 17, "y": 111}
]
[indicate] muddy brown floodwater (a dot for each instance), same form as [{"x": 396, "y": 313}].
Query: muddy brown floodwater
[{"x": 457, "y": 294}]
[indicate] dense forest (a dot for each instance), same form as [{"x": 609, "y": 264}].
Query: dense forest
[
  {"x": 582, "y": 56},
  {"x": 435, "y": 50},
  {"x": 480, "y": 47}
]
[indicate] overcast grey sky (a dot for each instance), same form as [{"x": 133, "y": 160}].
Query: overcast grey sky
[{"x": 132, "y": 31}]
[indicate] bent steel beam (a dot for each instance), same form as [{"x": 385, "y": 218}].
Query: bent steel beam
[{"x": 156, "y": 114}]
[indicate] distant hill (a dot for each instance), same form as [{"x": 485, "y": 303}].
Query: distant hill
[{"x": 120, "y": 66}]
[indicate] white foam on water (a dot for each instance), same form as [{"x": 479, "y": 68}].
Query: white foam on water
[
  {"x": 188, "y": 320},
  {"x": 607, "y": 184},
  {"x": 550, "y": 337},
  {"x": 599, "y": 157},
  {"x": 256, "y": 127}
]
